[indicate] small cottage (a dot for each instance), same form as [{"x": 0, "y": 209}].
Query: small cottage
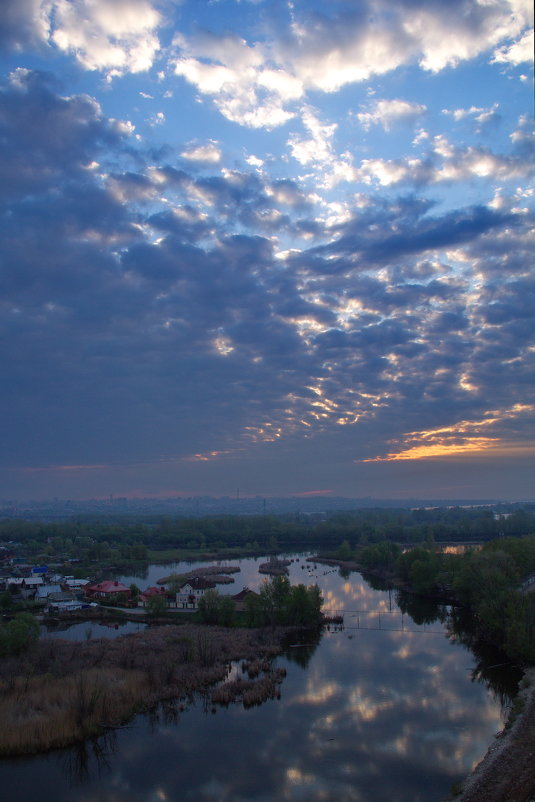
[{"x": 240, "y": 599}]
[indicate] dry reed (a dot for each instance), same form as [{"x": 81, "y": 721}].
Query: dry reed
[{"x": 61, "y": 692}]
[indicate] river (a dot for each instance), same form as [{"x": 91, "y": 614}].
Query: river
[{"x": 385, "y": 709}]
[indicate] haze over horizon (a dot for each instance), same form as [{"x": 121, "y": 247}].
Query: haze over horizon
[{"x": 285, "y": 247}]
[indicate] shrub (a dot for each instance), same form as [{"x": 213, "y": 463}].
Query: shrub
[{"x": 18, "y": 634}]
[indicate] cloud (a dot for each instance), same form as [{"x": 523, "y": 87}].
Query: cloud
[
  {"x": 328, "y": 51},
  {"x": 258, "y": 83},
  {"x": 517, "y": 53},
  {"x": 115, "y": 37},
  {"x": 480, "y": 117},
  {"x": 466, "y": 436},
  {"x": 118, "y": 36},
  {"x": 23, "y": 23},
  {"x": 48, "y": 138},
  {"x": 317, "y": 151},
  {"x": 388, "y": 112},
  {"x": 147, "y": 291},
  {"x": 444, "y": 162},
  {"x": 318, "y": 148},
  {"x": 209, "y": 153}
]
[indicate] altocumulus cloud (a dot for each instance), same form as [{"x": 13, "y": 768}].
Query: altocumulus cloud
[{"x": 189, "y": 301}]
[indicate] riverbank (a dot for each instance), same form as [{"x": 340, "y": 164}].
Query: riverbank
[
  {"x": 507, "y": 772},
  {"x": 61, "y": 693}
]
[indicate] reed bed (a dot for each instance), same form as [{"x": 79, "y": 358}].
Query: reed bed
[
  {"x": 209, "y": 571},
  {"x": 63, "y": 692},
  {"x": 275, "y": 567},
  {"x": 214, "y": 569},
  {"x": 45, "y": 712},
  {"x": 250, "y": 692}
]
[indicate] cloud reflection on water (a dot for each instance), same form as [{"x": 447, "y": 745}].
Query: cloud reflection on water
[{"x": 385, "y": 715}]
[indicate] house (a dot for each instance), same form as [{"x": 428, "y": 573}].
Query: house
[
  {"x": 25, "y": 585},
  {"x": 240, "y": 599},
  {"x": 150, "y": 593},
  {"x": 44, "y": 591},
  {"x": 191, "y": 591},
  {"x": 63, "y": 602},
  {"x": 75, "y": 584},
  {"x": 109, "y": 590}
]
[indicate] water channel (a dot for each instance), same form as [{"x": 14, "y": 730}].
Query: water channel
[{"x": 385, "y": 709}]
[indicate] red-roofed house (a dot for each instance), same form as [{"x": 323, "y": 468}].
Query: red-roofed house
[
  {"x": 149, "y": 593},
  {"x": 109, "y": 589}
]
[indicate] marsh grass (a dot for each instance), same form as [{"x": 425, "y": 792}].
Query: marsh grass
[
  {"x": 263, "y": 683},
  {"x": 61, "y": 693},
  {"x": 53, "y": 712}
]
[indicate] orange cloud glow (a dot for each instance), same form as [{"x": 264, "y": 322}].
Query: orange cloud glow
[
  {"x": 460, "y": 438},
  {"x": 430, "y": 450},
  {"x": 207, "y": 456}
]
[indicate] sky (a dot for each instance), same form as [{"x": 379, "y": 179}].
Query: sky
[{"x": 280, "y": 247}]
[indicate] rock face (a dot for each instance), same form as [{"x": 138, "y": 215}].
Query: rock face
[{"x": 507, "y": 772}]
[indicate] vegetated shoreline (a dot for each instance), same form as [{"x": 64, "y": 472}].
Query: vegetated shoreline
[
  {"x": 384, "y": 575},
  {"x": 63, "y": 692},
  {"x": 507, "y": 771}
]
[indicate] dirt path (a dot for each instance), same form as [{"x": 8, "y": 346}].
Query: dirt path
[{"x": 507, "y": 772}]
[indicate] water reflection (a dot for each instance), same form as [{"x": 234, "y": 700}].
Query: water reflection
[
  {"x": 384, "y": 713},
  {"x": 422, "y": 611},
  {"x": 84, "y": 760},
  {"x": 492, "y": 668},
  {"x": 302, "y": 648},
  {"x": 86, "y": 630}
]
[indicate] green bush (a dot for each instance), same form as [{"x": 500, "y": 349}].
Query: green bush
[{"x": 18, "y": 634}]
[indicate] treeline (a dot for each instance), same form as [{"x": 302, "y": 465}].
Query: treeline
[
  {"x": 75, "y": 540},
  {"x": 491, "y": 582},
  {"x": 123, "y": 538}
]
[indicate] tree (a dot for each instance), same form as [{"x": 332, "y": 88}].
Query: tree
[
  {"x": 18, "y": 635},
  {"x": 216, "y": 608},
  {"x": 344, "y": 551},
  {"x": 304, "y": 606},
  {"x": 281, "y": 603},
  {"x": 380, "y": 555},
  {"x": 157, "y": 604}
]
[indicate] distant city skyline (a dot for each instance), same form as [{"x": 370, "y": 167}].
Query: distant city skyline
[
  {"x": 280, "y": 247},
  {"x": 314, "y": 507}
]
